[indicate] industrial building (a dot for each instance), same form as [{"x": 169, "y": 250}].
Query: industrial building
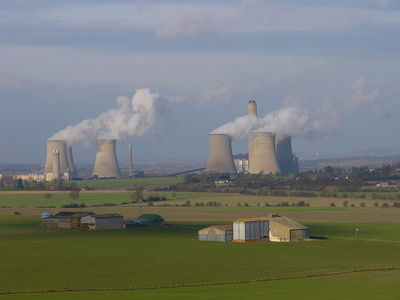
[
  {"x": 262, "y": 153},
  {"x": 250, "y": 230},
  {"x": 102, "y": 222},
  {"x": 283, "y": 229},
  {"x": 220, "y": 158},
  {"x": 216, "y": 233},
  {"x": 70, "y": 220},
  {"x": 59, "y": 161},
  {"x": 106, "y": 164}
]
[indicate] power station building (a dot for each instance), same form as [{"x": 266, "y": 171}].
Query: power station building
[{"x": 59, "y": 162}]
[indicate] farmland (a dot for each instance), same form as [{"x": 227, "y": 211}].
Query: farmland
[{"x": 172, "y": 257}]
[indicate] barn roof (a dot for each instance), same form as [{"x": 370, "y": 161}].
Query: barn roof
[
  {"x": 152, "y": 217},
  {"x": 107, "y": 216},
  {"x": 223, "y": 228},
  {"x": 71, "y": 215},
  {"x": 285, "y": 221},
  {"x": 252, "y": 219}
]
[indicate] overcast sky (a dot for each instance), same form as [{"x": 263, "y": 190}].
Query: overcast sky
[{"x": 65, "y": 61}]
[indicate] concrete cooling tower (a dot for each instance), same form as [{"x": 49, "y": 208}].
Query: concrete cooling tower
[
  {"x": 59, "y": 145},
  {"x": 262, "y": 154},
  {"x": 252, "y": 108},
  {"x": 106, "y": 164},
  {"x": 70, "y": 160},
  {"x": 284, "y": 153},
  {"x": 220, "y": 158}
]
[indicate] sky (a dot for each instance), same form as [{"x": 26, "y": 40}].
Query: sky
[{"x": 62, "y": 62}]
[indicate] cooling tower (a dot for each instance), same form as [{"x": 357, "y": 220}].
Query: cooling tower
[
  {"x": 106, "y": 164},
  {"x": 284, "y": 153},
  {"x": 61, "y": 147},
  {"x": 56, "y": 164},
  {"x": 70, "y": 160},
  {"x": 220, "y": 158},
  {"x": 252, "y": 108},
  {"x": 262, "y": 154}
]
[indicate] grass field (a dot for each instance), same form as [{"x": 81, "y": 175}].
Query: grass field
[
  {"x": 34, "y": 260},
  {"x": 113, "y": 184}
]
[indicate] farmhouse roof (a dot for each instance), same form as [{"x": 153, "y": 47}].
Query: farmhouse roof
[
  {"x": 242, "y": 220},
  {"x": 71, "y": 215},
  {"x": 107, "y": 216}
]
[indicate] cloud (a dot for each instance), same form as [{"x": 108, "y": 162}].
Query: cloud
[
  {"x": 186, "y": 25},
  {"x": 360, "y": 96},
  {"x": 221, "y": 93}
]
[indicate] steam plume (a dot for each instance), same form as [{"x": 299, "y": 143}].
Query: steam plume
[
  {"x": 290, "y": 120},
  {"x": 130, "y": 117}
]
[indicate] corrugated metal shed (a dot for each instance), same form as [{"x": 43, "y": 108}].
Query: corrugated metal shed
[
  {"x": 216, "y": 233},
  {"x": 251, "y": 229},
  {"x": 283, "y": 229}
]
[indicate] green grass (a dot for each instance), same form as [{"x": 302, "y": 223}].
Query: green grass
[
  {"x": 368, "y": 285},
  {"x": 92, "y": 198},
  {"x": 109, "y": 184},
  {"x": 36, "y": 260}
]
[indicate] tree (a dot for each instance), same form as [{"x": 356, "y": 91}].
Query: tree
[
  {"x": 74, "y": 194},
  {"x": 137, "y": 197},
  {"x": 47, "y": 195}
]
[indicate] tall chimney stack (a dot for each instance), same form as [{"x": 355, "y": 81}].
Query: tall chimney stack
[
  {"x": 106, "y": 164},
  {"x": 252, "y": 108},
  {"x": 220, "y": 158},
  {"x": 130, "y": 160},
  {"x": 262, "y": 155}
]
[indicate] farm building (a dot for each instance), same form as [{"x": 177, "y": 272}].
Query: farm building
[
  {"x": 153, "y": 218},
  {"x": 283, "y": 229},
  {"x": 65, "y": 220},
  {"x": 250, "y": 230},
  {"x": 138, "y": 222},
  {"x": 102, "y": 222},
  {"x": 216, "y": 233}
]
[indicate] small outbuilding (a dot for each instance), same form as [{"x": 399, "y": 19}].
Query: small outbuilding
[
  {"x": 102, "y": 222},
  {"x": 251, "y": 230},
  {"x": 65, "y": 220},
  {"x": 138, "y": 222},
  {"x": 216, "y": 233},
  {"x": 283, "y": 229},
  {"x": 153, "y": 218}
]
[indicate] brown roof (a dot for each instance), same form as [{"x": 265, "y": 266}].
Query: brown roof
[
  {"x": 70, "y": 215},
  {"x": 285, "y": 221}
]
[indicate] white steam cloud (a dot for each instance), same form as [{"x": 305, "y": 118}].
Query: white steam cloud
[
  {"x": 290, "y": 120},
  {"x": 131, "y": 117}
]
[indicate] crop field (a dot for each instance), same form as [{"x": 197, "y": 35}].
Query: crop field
[
  {"x": 169, "y": 263},
  {"x": 112, "y": 184}
]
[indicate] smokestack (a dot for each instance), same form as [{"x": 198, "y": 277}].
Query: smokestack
[
  {"x": 220, "y": 158},
  {"x": 56, "y": 164},
  {"x": 284, "y": 153},
  {"x": 70, "y": 160},
  {"x": 106, "y": 164},
  {"x": 252, "y": 108},
  {"x": 130, "y": 160},
  {"x": 61, "y": 147},
  {"x": 262, "y": 155}
]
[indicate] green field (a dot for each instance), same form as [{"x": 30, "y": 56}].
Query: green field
[
  {"x": 37, "y": 260},
  {"x": 115, "y": 184},
  {"x": 19, "y": 200}
]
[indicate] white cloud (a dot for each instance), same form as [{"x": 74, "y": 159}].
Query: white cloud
[
  {"x": 360, "y": 96},
  {"x": 186, "y": 26},
  {"x": 217, "y": 94}
]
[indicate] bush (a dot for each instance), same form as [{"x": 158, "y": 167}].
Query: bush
[
  {"x": 333, "y": 204},
  {"x": 47, "y": 195},
  {"x": 385, "y": 205},
  {"x": 362, "y": 204},
  {"x": 246, "y": 204},
  {"x": 301, "y": 204},
  {"x": 150, "y": 203},
  {"x": 345, "y": 203},
  {"x": 239, "y": 204}
]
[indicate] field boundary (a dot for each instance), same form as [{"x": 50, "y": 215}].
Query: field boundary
[{"x": 66, "y": 290}]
